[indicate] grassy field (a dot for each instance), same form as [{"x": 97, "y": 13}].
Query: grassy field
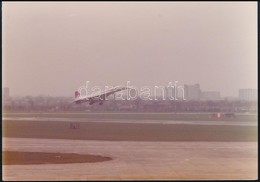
[
  {"x": 139, "y": 116},
  {"x": 127, "y": 131}
]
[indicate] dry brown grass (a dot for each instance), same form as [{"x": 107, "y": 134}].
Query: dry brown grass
[
  {"x": 22, "y": 158},
  {"x": 128, "y": 131}
]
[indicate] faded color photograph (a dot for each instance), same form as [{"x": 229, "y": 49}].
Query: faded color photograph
[{"x": 129, "y": 91}]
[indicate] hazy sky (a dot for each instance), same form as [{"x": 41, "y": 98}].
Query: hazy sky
[{"x": 54, "y": 48}]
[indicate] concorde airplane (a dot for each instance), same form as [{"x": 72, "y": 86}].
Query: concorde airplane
[{"x": 98, "y": 97}]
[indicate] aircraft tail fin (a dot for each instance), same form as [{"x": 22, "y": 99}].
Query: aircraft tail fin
[{"x": 77, "y": 94}]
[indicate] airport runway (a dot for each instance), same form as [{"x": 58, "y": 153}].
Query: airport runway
[
  {"x": 137, "y": 160},
  {"x": 236, "y": 123}
]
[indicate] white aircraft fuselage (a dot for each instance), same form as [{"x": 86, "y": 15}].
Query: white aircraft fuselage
[{"x": 97, "y": 97}]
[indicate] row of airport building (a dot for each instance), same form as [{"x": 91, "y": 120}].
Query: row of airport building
[
  {"x": 196, "y": 101},
  {"x": 187, "y": 92},
  {"x": 194, "y": 93}
]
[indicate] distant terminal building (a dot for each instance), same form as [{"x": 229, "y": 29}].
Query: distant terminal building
[
  {"x": 169, "y": 93},
  {"x": 210, "y": 95},
  {"x": 6, "y": 93},
  {"x": 172, "y": 93},
  {"x": 192, "y": 92},
  {"x": 247, "y": 94}
]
